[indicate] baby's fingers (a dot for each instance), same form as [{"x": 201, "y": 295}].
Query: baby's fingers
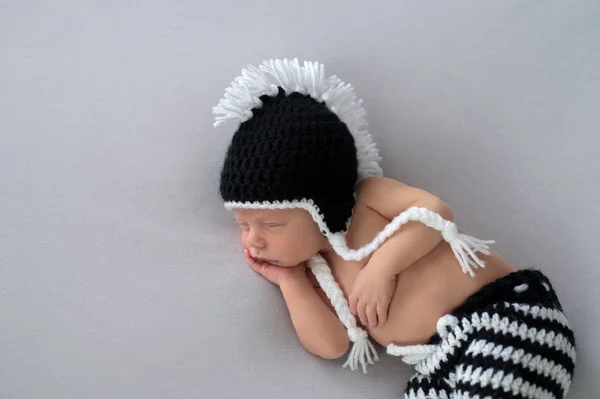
[
  {"x": 362, "y": 313},
  {"x": 265, "y": 269},
  {"x": 372, "y": 315},
  {"x": 353, "y": 301},
  {"x": 256, "y": 266},
  {"x": 382, "y": 312}
]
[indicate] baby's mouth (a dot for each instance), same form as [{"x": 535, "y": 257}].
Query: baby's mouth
[{"x": 273, "y": 262}]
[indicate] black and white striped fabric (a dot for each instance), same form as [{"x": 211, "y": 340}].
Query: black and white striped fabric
[{"x": 509, "y": 340}]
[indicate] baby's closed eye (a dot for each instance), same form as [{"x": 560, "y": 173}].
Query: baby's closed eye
[{"x": 273, "y": 225}]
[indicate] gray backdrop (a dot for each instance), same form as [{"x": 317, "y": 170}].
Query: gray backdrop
[{"x": 121, "y": 275}]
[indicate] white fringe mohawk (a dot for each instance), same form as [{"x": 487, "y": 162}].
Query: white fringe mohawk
[{"x": 309, "y": 79}]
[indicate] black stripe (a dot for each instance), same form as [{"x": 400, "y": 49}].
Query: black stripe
[{"x": 508, "y": 367}]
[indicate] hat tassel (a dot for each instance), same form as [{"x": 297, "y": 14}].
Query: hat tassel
[{"x": 363, "y": 351}]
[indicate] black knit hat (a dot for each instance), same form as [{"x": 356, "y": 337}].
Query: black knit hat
[
  {"x": 293, "y": 148},
  {"x": 302, "y": 143}
]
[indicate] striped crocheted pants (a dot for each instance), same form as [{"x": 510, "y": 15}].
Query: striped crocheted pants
[{"x": 509, "y": 340}]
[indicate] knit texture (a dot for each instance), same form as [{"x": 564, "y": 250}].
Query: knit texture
[
  {"x": 293, "y": 148},
  {"x": 509, "y": 340}
]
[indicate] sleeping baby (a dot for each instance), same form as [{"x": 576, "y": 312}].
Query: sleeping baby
[{"x": 358, "y": 255}]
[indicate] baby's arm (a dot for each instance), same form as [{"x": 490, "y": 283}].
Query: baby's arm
[
  {"x": 414, "y": 240},
  {"x": 375, "y": 284},
  {"x": 313, "y": 317},
  {"x": 317, "y": 326}
]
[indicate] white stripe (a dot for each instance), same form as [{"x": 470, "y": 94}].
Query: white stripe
[
  {"x": 467, "y": 395},
  {"x": 497, "y": 380},
  {"x": 420, "y": 394},
  {"x": 447, "y": 347},
  {"x": 503, "y": 325},
  {"x": 539, "y": 312},
  {"x": 537, "y": 363}
]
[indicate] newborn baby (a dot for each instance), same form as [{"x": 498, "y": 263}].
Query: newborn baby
[
  {"x": 415, "y": 269},
  {"x": 356, "y": 254}
]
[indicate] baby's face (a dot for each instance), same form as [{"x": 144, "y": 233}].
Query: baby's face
[{"x": 283, "y": 237}]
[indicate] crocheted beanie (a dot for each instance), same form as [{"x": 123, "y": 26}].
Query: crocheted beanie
[
  {"x": 293, "y": 148},
  {"x": 302, "y": 143}
]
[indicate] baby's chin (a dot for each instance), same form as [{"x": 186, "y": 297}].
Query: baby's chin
[
  {"x": 286, "y": 264},
  {"x": 283, "y": 264},
  {"x": 277, "y": 263}
]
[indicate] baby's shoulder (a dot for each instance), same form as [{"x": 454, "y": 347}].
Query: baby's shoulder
[
  {"x": 373, "y": 182},
  {"x": 390, "y": 197},
  {"x": 378, "y": 186}
]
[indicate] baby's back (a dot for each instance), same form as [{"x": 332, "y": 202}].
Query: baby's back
[{"x": 425, "y": 291}]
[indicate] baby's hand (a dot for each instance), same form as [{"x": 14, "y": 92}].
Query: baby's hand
[
  {"x": 275, "y": 274},
  {"x": 370, "y": 297}
]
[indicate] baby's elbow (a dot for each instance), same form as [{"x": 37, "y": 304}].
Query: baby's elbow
[
  {"x": 440, "y": 207},
  {"x": 328, "y": 349},
  {"x": 335, "y": 350}
]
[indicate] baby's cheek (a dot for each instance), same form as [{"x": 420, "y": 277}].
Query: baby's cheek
[
  {"x": 244, "y": 238},
  {"x": 294, "y": 252}
]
